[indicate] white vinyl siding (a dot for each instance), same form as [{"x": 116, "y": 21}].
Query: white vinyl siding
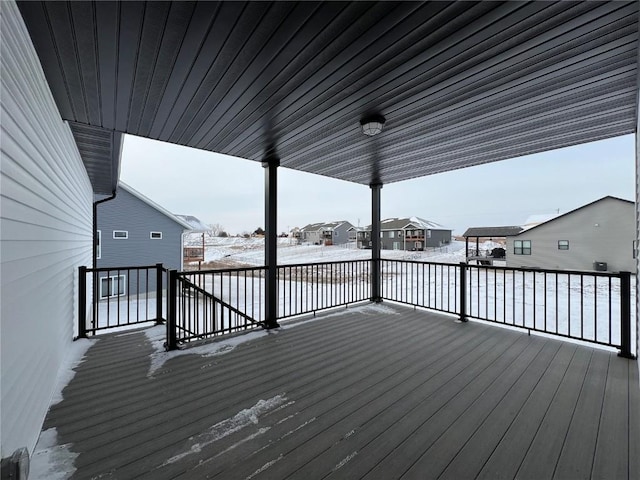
[{"x": 45, "y": 234}]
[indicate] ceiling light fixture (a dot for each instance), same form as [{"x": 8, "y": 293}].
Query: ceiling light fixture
[{"x": 372, "y": 125}]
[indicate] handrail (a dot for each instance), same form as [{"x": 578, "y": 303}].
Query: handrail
[{"x": 218, "y": 300}]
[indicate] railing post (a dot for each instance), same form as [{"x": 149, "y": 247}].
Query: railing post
[
  {"x": 82, "y": 302},
  {"x": 463, "y": 292},
  {"x": 172, "y": 303},
  {"x": 159, "y": 271},
  {"x": 625, "y": 315}
]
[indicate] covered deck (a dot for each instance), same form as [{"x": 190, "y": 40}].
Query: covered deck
[{"x": 378, "y": 391}]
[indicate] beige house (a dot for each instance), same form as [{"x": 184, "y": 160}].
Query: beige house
[{"x": 596, "y": 236}]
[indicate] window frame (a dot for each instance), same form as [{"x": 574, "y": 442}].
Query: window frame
[
  {"x": 126, "y": 234},
  {"x": 111, "y": 282},
  {"x": 151, "y": 236},
  {"x": 519, "y": 247},
  {"x": 563, "y": 244},
  {"x": 99, "y": 245}
]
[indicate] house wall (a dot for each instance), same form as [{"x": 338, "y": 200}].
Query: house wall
[
  {"x": 311, "y": 237},
  {"x": 45, "y": 234},
  {"x": 437, "y": 238},
  {"x": 637, "y": 217},
  {"x": 127, "y": 212},
  {"x": 611, "y": 241},
  {"x": 341, "y": 233}
]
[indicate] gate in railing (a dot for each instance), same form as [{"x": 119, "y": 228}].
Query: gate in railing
[
  {"x": 205, "y": 304},
  {"x": 118, "y": 297}
]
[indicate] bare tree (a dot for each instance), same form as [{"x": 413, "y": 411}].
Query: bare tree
[{"x": 215, "y": 229}]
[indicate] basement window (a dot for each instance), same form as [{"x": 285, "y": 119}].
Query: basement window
[
  {"x": 114, "y": 286},
  {"x": 120, "y": 234},
  {"x": 155, "y": 235}
]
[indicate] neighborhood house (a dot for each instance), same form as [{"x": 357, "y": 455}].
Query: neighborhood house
[
  {"x": 331, "y": 233},
  {"x": 597, "y": 236},
  {"x": 133, "y": 230},
  {"x": 410, "y": 234}
]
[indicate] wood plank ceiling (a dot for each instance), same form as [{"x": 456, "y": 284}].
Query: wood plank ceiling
[{"x": 459, "y": 83}]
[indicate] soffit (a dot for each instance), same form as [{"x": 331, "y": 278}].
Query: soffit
[{"x": 459, "y": 83}]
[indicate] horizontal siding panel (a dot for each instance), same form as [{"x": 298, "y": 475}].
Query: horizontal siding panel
[{"x": 45, "y": 235}]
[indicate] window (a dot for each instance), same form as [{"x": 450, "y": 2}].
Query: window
[
  {"x": 155, "y": 235},
  {"x": 522, "y": 247},
  {"x": 396, "y": 245},
  {"x": 392, "y": 234},
  {"x": 428, "y": 233},
  {"x": 399, "y": 233},
  {"x": 99, "y": 245},
  {"x": 120, "y": 234},
  {"x": 563, "y": 244},
  {"x": 113, "y": 286}
]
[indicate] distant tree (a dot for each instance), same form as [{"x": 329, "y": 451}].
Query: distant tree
[
  {"x": 223, "y": 234},
  {"x": 246, "y": 234},
  {"x": 215, "y": 229},
  {"x": 258, "y": 231}
]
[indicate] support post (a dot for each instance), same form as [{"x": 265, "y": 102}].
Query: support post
[
  {"x": 82, "y": 302},
  {"x": 172, "y": 310},
  {"x": 271, "y": 165},
  {"x": 625, "y": 316},
  {"x": 159, "y": 269},
  {"x": 376, "y": 295},
  {"x": 463, "y": 292}
]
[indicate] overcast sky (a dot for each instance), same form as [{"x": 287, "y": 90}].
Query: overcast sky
[{"x": 229, "y": 191}]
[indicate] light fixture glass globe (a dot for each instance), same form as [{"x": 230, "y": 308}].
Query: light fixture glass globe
[
  {"x": 372, "y": 128},
  {"x": 372, "y": 125}
]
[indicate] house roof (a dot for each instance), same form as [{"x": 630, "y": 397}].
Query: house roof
[
  {"x": 313, "y": 227},
  {"x": 608, "y": 197},
  {"x": 490, "y": 232},
  {"x": 195, "y": 223},
  {"x": 154, "y": 205},
  {"x": 459, "y": 83},
  {"x": 397, "y": 223}
]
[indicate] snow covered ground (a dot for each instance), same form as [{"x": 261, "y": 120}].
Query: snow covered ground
[
  {"x": 250, "y": 251},
  {"x": 587, "y": 307}
]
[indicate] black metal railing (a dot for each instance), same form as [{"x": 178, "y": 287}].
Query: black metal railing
[
  {"x": 586, "y": 306},
  {"x": 208, "y": 303},
  {"x": 121, "y": 296},
  {"x": 435, "y": 286},
  {"x": 310, "y": 287}
]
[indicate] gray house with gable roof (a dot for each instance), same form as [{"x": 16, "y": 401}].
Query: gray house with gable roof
[
  {"x": 326, "y": 233},
  {"x": 134, "y": 230},
  {"x": 411, "y": 233}
]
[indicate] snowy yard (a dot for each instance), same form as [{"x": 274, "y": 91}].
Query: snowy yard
[{"x": 576, "y": 306}]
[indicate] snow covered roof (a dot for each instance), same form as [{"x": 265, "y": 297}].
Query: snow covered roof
[
  {"x": 154, "y": 205},
  {"x": 408, "y": 223},
  {"x": 556, "y": 216},
  {"x": 533, "y": 220},
  {"x": 313, "y": 227},
  {"x": 196, "y": 224}
]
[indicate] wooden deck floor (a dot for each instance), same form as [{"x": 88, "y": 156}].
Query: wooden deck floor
[{"x": 375, "y": 393}]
